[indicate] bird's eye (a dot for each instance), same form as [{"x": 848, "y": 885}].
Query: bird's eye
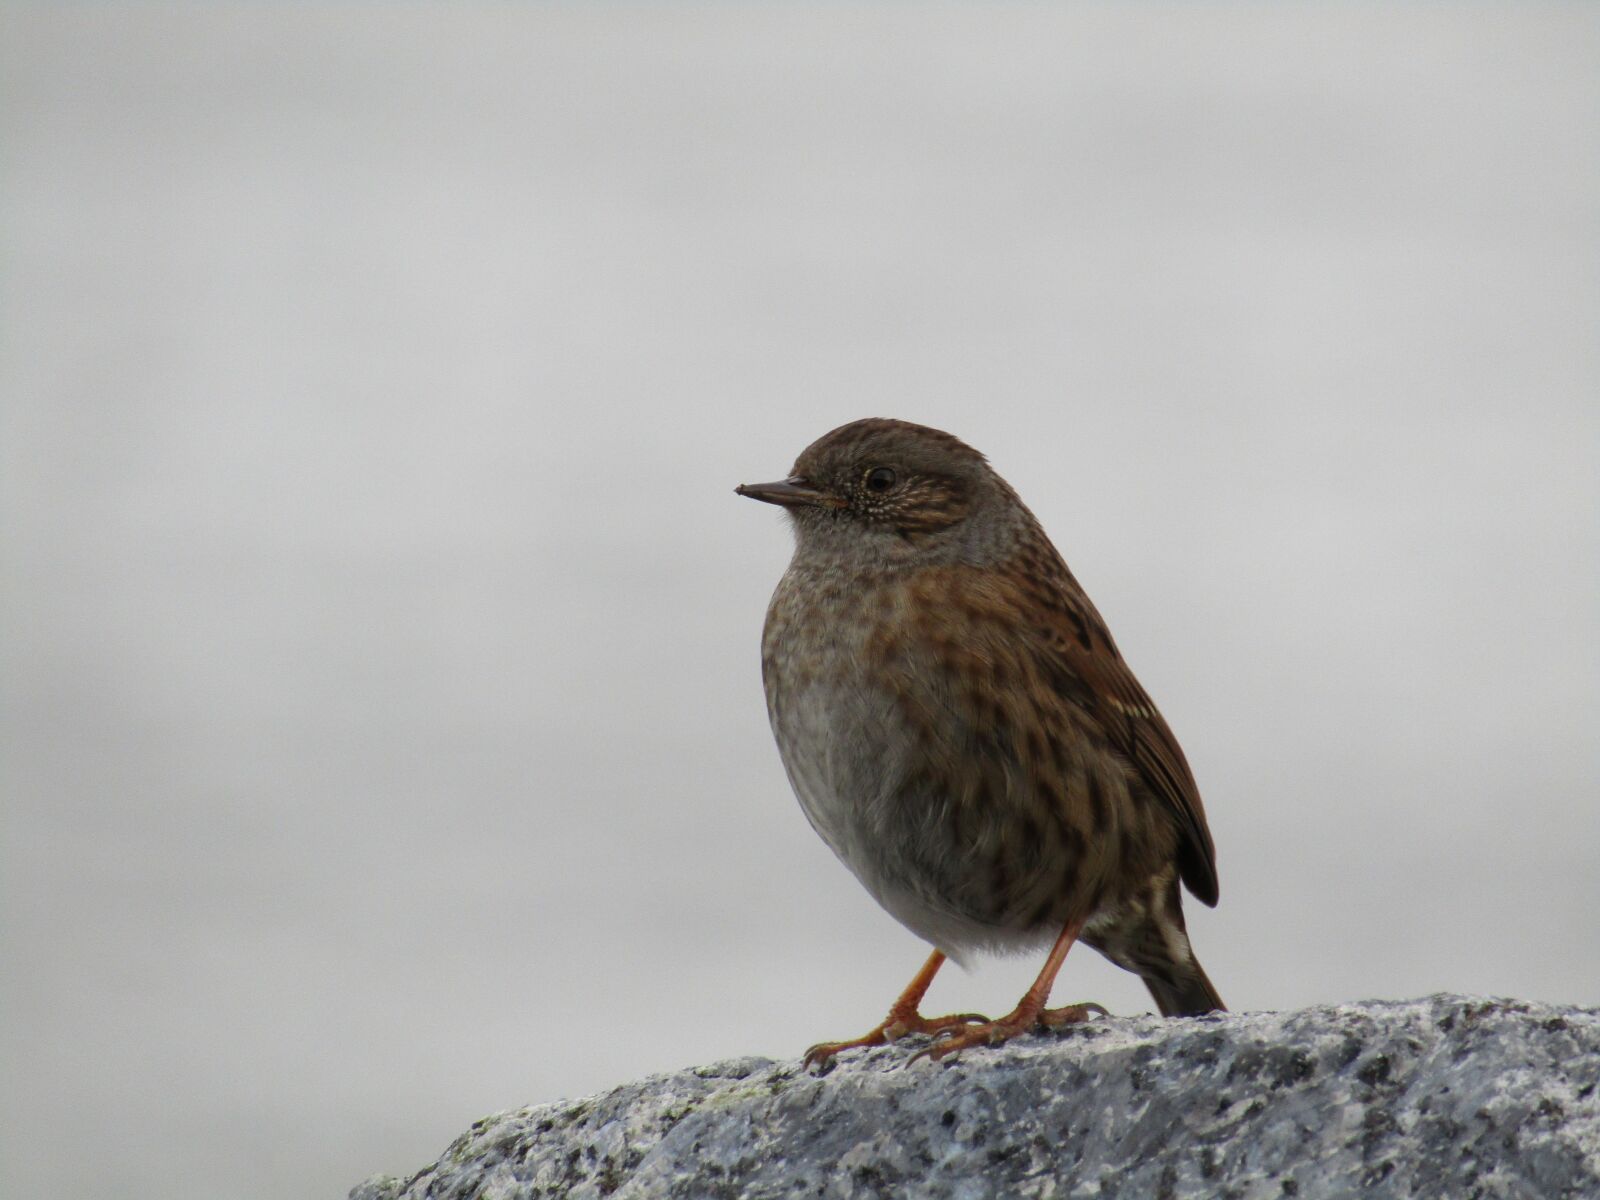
[{"x": 880, "y": 479}]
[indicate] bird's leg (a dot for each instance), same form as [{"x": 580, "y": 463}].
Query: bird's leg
[
  {"x": 1029, "y": 1013},
  {"x": 903, "y": 1018}
]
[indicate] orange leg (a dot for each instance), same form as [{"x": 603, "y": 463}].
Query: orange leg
[
  {"x": 903, "y": 1018},
  {"x": 1029, "y": 1013}
]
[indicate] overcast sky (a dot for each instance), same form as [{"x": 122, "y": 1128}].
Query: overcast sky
[{"x": 383, "y": 733}]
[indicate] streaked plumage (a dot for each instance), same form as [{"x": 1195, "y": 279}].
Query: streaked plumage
[{"x": 960, "y": 728}]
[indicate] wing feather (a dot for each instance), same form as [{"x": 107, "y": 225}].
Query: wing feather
[{"x": 1087, "y": 669}]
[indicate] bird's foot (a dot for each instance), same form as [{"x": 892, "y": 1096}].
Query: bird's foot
[
  {"x": 992, "y": 1033},
  {"x": 894, "y": 1027},
  {"x": 1070, "y": 1014}
]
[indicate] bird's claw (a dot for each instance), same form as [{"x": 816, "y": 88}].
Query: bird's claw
[
  {"x": 1070, "y": 1014},
  {"x": 897, "y": 1026},
  {"x": 991, "y": 1033}
]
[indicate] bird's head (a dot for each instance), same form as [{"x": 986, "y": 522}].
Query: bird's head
[{"x": 887, "y": 488}]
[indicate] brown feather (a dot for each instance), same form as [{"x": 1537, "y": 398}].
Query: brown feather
[
  {"x": 1139, "y": 732},
  {"x": 1085, "y": 666}
]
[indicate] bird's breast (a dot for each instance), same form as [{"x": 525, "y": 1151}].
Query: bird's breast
[
  {"x": 835, "y": 719},
  {"x": 917, "y": 789}
]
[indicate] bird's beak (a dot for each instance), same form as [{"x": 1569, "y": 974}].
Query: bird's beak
[{"x": 791, "y": 493}]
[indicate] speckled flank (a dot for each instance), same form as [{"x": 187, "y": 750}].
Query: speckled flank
[{"x": 1448, "y": 1097}]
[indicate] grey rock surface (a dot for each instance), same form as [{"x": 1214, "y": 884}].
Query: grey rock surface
[{"x": 1447, "y": 1096}]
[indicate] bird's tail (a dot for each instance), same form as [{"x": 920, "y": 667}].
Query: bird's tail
[{"x": 1187, "y": 996}]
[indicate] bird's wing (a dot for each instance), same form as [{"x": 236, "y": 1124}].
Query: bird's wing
[{"x": 1083, "y": 664}]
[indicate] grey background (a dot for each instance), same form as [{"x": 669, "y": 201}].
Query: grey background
[{"x": 383, "y": 738}]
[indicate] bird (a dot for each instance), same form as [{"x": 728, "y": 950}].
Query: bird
[{"x": 961, "y": 730}]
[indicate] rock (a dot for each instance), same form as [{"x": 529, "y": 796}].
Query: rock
[{"x": 1443, "y": 1097}]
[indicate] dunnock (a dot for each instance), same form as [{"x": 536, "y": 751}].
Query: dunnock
[{"x": 960, "y": 729}]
